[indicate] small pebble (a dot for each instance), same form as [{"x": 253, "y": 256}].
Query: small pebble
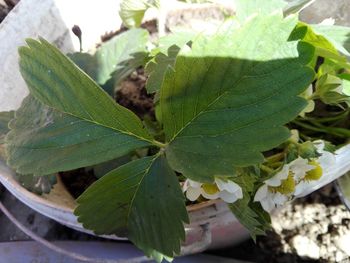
[{"x": 305, "y": 247}]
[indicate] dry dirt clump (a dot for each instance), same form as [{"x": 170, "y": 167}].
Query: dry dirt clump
[{"x": 314, "y": 228}]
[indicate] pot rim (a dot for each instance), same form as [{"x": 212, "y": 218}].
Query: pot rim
[{"x": 9, "y": 179}]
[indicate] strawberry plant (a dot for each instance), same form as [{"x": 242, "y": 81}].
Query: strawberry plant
[{"x": 225, "y": 103}]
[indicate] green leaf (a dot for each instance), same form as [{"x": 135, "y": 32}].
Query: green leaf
[
  {"x": 331, "y": 90},
  {"x": 5, "y": 118},
  {"x": 132, "y": 11},
  {"x": 339, "y": 36},
  {"x": 80, "y": 125},
  {"x": 226, "y": 99},
  {"x": 114, "y": 59},
  {"x": 164, "y": 57},
  {"x": 37, "y": 184},
  {"x": 102, "y": 169},
  {"x": 251, "y": 215},
  {"x": 157, "y": 67},
  {"x": 346, "y": 83},
  {"x": 247, "y": 8},
  {"x": 323, "y": 46},
  {"x": 44, "y": 141},
  {"x": 141, "y": 199}
]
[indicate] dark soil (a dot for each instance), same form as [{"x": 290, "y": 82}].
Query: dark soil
[
  {"x": 133, "y": 95},
  {"x": 77, "y": 181},
  {"x": 150, "y": 26}
]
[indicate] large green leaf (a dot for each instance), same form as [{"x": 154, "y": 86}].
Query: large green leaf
[
  {"x": 141, "y": 199},
  {"x": 43, "y": 141},
  {"x": 114, "y": 59},
  {"x": 227, "y": 99},
  {"x": 79, "y": 125}
]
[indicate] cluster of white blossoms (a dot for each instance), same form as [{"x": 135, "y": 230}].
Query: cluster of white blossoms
[
  {"x": 293, "y": 178},
  {"x": 225, "y": 189}
]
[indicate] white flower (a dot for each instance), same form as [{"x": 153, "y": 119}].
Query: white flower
[
  {"x": 280, "y": 188},
  {"x": 227, "y": 190},
  {"x": 269, "y": 194},
  {"x": 299, "y": 167},
  {"x": 317, "y": 177}
]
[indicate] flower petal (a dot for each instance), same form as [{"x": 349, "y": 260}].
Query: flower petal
[
  {"x": 194, "y": 184},
  {"x": 276, "y": 180},
  {"x": 299, "y": 167},
  {"x": 300, "y": 188},
  {"x": 192, "y": 194},
  {"x": 279, "y": 199},
  {"x": 262, "y": 193},
  {"x": 229, "y": 197},
  {"x": 228, "y": 186},
  {"x": 268, "y": 205}
]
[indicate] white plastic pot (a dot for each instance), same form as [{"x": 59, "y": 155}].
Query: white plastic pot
[{"x": 212, "y": 224}]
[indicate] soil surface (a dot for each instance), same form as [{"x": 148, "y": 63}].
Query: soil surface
[
  {"x": 132, "y": 94},
  {"x": 315, "y": 228}
]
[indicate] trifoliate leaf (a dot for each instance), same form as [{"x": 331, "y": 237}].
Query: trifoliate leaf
[
  {"x": 141, "y": 199},
  {"x": 228, "y": 98},
  {"x": 78, "y": 125},
  {"x": 132, "y": 11},
  {"x": 115, "y": 59}
]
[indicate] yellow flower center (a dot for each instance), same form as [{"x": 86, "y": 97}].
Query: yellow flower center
[
  {"x": 210, "y": 188},
  {"x": 287, "y": 186},
  {"x": 314, "y": 174}
]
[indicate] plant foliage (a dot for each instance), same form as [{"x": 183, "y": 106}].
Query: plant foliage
[{"x": 222, "y": 102}]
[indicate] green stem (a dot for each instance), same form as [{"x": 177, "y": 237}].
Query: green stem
[
  {"x": 274, "y": 158},
  {"x": 339, "y": 132},
  {"x": 266, "y": 168},
  {"x": 341, "y": 116},
  {"x": 159, "y": 144}
]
